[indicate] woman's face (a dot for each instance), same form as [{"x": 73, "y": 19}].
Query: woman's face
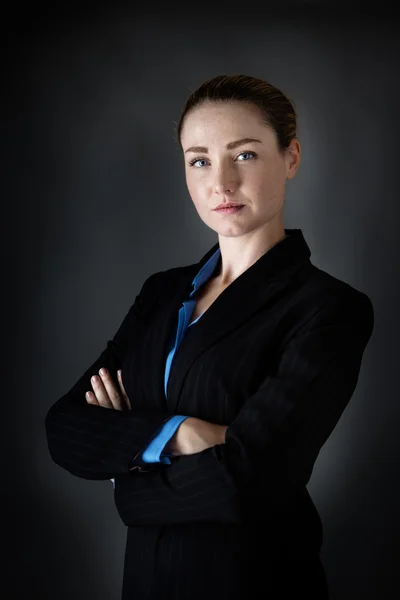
[{"x": 220, "y": 170}]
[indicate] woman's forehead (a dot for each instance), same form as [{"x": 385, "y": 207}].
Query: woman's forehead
[
  {"x": 208, "y": 111},
  {"x": 244, "y": 119}
]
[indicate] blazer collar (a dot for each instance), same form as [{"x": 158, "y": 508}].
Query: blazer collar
[
  {"x": 272, "y": 263},
  {"x": 255, "y": 288}
]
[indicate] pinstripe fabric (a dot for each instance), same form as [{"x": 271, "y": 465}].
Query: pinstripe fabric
[
  {"x": 200, "y": 561},
  {"x": 276, "y": 358}
]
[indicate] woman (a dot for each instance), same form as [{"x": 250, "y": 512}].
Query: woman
[{"x": 225, "y": 378}]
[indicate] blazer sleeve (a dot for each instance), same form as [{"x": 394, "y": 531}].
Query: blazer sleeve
[
  {"x": 94, "y": 442},
  {"x": 276, "y": 436}
]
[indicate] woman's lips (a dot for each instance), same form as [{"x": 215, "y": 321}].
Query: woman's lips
[{"x": 231, "y": 209}]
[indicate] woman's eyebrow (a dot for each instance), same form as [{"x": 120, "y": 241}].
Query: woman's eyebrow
[{"x": 229, "y": 146}]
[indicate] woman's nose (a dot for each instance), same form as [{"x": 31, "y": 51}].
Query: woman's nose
[{"x": 225, "y": 181}]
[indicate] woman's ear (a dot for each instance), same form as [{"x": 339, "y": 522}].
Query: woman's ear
[{"x": 293, "y": 158}]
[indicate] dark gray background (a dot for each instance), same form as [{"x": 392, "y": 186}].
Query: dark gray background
[{"x": 95, "y": 200}]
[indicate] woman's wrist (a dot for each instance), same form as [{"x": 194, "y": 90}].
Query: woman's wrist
[{"x": 191, "y": 437}]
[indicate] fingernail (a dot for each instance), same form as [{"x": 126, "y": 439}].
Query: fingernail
[{"x": 103, "y": 372}]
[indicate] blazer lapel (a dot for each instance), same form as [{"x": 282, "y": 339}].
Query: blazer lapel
[{"x": 253, "y": 290}]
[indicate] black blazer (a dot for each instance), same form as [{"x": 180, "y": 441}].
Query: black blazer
[{"x": 276, "y": 357}]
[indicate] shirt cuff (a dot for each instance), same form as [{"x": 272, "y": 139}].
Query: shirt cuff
[{"x": 153, "y": 452}]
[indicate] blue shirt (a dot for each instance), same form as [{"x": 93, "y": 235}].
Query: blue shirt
[{"x": 153, "y": 452}]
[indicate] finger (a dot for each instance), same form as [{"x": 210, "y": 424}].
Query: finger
[
  {"x": 125, "y": 395},
  {"x": 112, "y": 390},
  {"x": 91, "y": 398},
  {"x": 100, "y": 392}
]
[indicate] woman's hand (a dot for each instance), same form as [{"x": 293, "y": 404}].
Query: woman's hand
[
  {"x": 194, "y": 435},
  {"x": 106, "y": 393}
]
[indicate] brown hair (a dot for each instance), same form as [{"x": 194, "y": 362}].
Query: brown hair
[{"x": 276, "y": 109}]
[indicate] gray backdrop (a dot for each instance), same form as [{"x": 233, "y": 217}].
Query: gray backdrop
[{"x": 95, "y": 201}]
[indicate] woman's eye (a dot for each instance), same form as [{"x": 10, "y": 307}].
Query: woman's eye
[
  {"x": 197, "y": 160},
  {"x": 248, "y": 153}
]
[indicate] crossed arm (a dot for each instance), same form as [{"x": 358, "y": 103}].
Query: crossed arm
[
  {"x": 277, "y": 434},
  {"x": 193, "y": 435}
]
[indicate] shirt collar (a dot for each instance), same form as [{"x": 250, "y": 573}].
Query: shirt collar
[{"x": 206, "y": 271}]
